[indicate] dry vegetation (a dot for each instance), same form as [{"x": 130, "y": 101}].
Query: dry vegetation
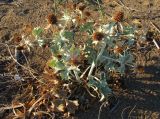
[{"x": 81, "y": 55}]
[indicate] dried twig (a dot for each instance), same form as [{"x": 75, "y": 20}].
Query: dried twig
[
  {"x": 33, "y": 106},
  {"x": 43, "y": 112},
  {"x": 155, "y": 26},
  {"x": 156, "y": 44},
  {"x": 10, "y": 107},
  {"x": 14, "y": 111},
  {"x": 154, "y": 41}
]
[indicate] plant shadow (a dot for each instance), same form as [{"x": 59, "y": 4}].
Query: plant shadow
[{"x": 139, "y": 99}]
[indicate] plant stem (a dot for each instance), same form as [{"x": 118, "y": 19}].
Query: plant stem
[
  {"x": 76, "y": 75},
  {"x": 156, "y": 44},
  {"x": 91, "y": 70},
  {"x": 95, "y": 62}
]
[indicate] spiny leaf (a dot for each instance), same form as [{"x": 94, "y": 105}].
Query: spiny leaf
[
  {"x": 68, "y": 35},
  {"x": 87, "y": 27},
  {"x": 57, "y": 65},
  {"x": 65, "y": 74}
]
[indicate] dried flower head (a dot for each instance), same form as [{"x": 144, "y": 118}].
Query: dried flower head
[
  {"x": 81, "y": 7},
  {"x": 59, "y": 56},
  {"x": 98, "y": 36},
  {"x": 52, "y": 19},
  {"x": 118, "y": 49},
  {"x": 118, "y": 17},
  {"x": 17, "y": 38},
  {"x": 87, "y": 13}
]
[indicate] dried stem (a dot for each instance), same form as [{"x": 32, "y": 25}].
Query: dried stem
[
  {"x": 131, "y": 111},
  {"x": 10, "y": 107},
  {"x": 33, "y": 106}
]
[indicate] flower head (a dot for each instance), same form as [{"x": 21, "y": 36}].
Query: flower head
[
  {"x": 118, "y": 17},
  {"x": 98, "y": 36},
  {"x": 117, "y": 49},
  {"x": 52, "y": 19},
  {"x": 87, "y": 13},
  {"x": 81, "y": 7},
  {"x": 17, "y": 38}
]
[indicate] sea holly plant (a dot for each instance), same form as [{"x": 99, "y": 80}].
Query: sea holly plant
[{"x": 89, "y": 60}]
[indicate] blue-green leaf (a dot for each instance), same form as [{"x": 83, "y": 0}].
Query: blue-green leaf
[
  {"x": 102, "y": 85},
  {"x": 68, "y": 35},
  {"x": 87, "y": 27},
  {"x": 65, "y": 75}
]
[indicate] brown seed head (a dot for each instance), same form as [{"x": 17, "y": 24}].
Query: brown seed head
[
  {"x": 98, "y": 36},
  {"x": 87, "y": 13},
  {"x": 59, "y": 56},
  {"x": 118, "y": 49},
  {"x": 81, "y": 7},
  {"x": 17, "y": 38},
  {"x": 118, "y": 17},
  {"x": 52, "y": 19}
]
